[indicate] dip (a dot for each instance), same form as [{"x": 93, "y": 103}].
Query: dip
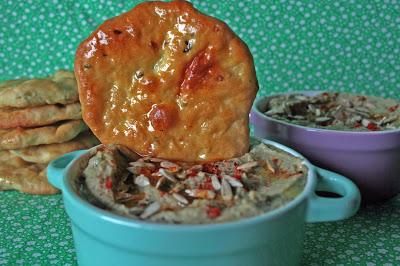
[
  {"x": 337, "y": 111},
  {"x": 161, "y": 191}
]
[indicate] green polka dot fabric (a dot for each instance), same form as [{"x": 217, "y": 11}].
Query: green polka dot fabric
[{"x": 351, "y": 45}]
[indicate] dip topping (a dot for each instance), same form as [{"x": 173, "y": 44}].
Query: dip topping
[
  {"x": 339, "y": 111},
  {"x": 178, "y": 192}
]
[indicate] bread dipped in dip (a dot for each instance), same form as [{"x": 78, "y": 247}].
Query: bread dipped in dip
[{"x": 167, "y": 81}]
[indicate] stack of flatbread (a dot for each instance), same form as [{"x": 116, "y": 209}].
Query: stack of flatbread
[{"x": 40, "y": 119}]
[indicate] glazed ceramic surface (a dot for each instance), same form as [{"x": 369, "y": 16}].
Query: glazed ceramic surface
[
  {"x": 274, "y": 238},
  {"x": 370, "y": 159}
]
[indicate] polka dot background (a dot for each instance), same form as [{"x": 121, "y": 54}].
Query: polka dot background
[{"x": 350, "y": 45}]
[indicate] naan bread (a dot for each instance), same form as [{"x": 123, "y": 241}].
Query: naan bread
[
  {"x": 167, "y": 81},
  {"x": 19, "y": 138},
  {"x": 45, "y": 153},
  {"x": 59, "y": 88},
  {"x": 38, "y": 116},
  {"x": 16, "y": 174}
]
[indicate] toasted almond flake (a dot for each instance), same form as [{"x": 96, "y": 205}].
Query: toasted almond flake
[
  {"x": 150, "y": 210},
  {"x": 322, "y": 119},
  {"x": 274, "y": 112},
  {"x": 299, "y": 117},
  {"x": 215, "y": 182},
  {"x": 167, "y": 175},
  {"x": 142, "y": 181},
  {"x": 271, "y": 165},
  {"x": 226, "y": 190},
  {"x": 137, "y": 164},
  {"x": 180, "y": 198},
  {"x": 200, "y": 193},
  {"x": 362, "y": 110},
  {"x": 365, "y": 122},
  {"x": 167, "y": 164},
  {"x": 247, "y": 165},
  {"x": 355, "y": 119},
  {"x": 160, "y": 182},
  {"x": 232, "y": 181}
]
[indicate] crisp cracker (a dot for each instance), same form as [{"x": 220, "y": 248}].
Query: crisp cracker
[{"x": 167, "y": 81}]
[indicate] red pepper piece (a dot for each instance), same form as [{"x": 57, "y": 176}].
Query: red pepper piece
[
  {"x": 237, "y": 173},
  {"x": 212, "y": 169},
  {"x": 373, "y": 127},
  {"x": 357, "y": 125},
  {"x": 207, "y": 184},
  {"x": 213, "y": 212},
  {"x": 108, "y": 183}
]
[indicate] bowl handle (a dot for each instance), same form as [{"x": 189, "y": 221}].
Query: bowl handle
[
  {"x": 322, "y": 209},
  {"x": 56, "y": 168}
]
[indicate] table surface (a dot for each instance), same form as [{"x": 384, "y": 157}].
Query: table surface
[{"x": 297, "y": 45}]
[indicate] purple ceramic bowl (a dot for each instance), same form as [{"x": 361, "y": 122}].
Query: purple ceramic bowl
[{"x": 370, "y": 159}]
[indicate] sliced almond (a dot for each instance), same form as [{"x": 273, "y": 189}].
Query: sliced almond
[
  {"x": 226, "y": 190},
  {"x": 247, "y": 165},
  {"x": 142, "y": 181},
  {"x": 167, "y": 175},
  {"x": 200, "y": 193},
  {"x": 215, "y": 182},
  {"x": 150, "y": 210},
  {"x": 180, "y": 198},
  {"x": 232, "y": 181}
]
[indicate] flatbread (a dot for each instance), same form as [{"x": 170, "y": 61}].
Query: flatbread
[
  {"x": 45, "y": 153},
  {"x": 7, "y": 157},
  {"x": 19, "y": 138},
  {"x": 59, "y": 88},
  {"x": 25, "y": 177},
  {"x": 38, "y": 116},
  {"x": 167, "y": 81}
]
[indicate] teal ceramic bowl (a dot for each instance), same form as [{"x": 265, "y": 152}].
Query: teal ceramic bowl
[{"x": 274, "y": 238}]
